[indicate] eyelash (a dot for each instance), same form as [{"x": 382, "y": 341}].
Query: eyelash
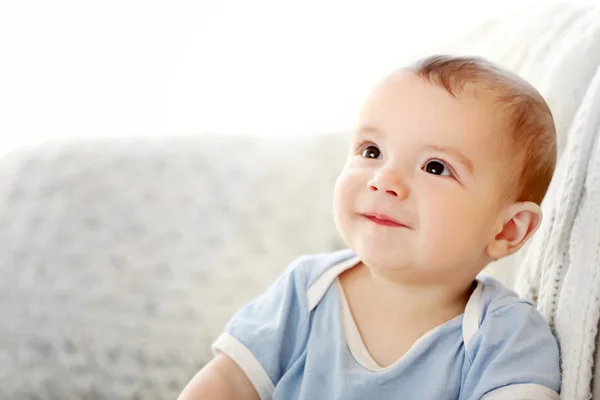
[
  {"x": 363, "y": 144},
  {"x": 367, "y": 143}
]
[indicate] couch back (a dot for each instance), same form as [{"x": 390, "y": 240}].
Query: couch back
[{"x": 121, "y": 260}]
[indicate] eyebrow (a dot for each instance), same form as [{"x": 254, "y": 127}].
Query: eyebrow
[
  {"x": 368, "y": 129},
  {"x": 454, "y": 153}
]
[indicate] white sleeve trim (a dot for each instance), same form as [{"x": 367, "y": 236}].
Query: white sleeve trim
[
  {"x": 525, "y": 391},
  {"x": 247, "y": 362}
]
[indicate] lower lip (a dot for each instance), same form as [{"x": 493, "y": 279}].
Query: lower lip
[{"x": 384, "y": 222}]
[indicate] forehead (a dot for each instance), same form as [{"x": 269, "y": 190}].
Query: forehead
[{"x": 404, "y": 105}]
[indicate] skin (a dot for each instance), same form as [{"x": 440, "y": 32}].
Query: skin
[
  {"x": 219, "y": 379},
  {"x": 435, "y": 164}
]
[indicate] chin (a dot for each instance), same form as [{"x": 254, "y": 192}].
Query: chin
[{"x": 380, "y": 257}]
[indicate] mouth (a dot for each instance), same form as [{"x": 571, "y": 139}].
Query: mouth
[{"x": 382, "y": 219}]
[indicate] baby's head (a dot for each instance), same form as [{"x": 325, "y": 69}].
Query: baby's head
[{"x": 457, "y": 151}]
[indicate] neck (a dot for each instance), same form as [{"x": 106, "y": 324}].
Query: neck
[{"x": 411, "y": 298}]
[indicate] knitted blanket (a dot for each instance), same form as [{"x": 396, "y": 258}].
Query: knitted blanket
[{"x": 560, "y": 271}]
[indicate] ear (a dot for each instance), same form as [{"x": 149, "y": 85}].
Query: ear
[{"x": 520, "y": 222}]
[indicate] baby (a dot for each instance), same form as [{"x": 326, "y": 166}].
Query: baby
[{"x": 448, "y": 165}]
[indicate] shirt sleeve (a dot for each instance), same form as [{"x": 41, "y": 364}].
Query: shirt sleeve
[
  {"x": 514, "y": 356},
  {"x": 262, "y": 337}
]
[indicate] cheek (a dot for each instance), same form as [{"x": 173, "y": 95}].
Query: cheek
[
  {"x": 348, "y": 186},
  {"x": 458, "y": 221},
  {"x": 338, "y": 198},
  {"x": 346, "y": 195},
  {"x": 451, "y": 220}
]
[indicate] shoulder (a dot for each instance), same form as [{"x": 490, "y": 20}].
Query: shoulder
[
  {"x": 303, "y": 282},
  {"x": 496, "y": 297},
  {"x": 502, "y": 311},
  {"x": 309, "y": 268},
  {"x": 489, "y": 298},
  {"x": 499, "y": 311},
  {"x": 511, "y": 341},
  {"x": 314, "y": 273}
]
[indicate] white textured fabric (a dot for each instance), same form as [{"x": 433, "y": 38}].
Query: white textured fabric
[{"x": 561, "y": 269}]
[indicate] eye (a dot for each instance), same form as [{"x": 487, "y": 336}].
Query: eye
[
  {"x": 371, "y": 152},
  {"x": 437, "y": 167}
]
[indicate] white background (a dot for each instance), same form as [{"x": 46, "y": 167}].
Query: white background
[{"x": 110, "y": 68}]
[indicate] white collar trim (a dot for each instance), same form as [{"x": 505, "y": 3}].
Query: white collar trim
[
  {"x": 318, "y": 289},
  {"x": 471, "y": 318}
]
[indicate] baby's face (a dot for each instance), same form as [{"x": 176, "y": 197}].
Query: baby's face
[{"x": 433, "y": 164}]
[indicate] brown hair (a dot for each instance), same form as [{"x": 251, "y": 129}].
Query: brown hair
[{"x": 529, "y": 120}]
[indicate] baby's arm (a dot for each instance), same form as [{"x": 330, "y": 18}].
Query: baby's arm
[{"x": 220, "y": 379}]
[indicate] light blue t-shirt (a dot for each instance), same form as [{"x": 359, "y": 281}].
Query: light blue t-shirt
[{"x": 293, "y": 343}]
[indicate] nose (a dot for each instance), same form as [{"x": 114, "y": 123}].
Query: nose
[{"x": 388, "y": 183}]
